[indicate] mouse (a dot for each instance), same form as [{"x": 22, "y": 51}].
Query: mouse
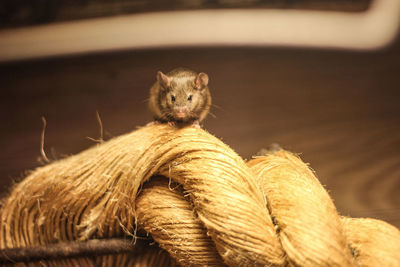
[{"x": 180, "y": 97}]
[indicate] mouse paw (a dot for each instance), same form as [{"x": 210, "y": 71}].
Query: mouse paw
[
  {"x": 153, "y": 123},
  {"x": 196, "y": 124},
  {"x": 172, "y": 123}
]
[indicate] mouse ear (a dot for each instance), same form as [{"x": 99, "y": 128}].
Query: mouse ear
[
  {"x": 201, "y": 81},
  {"x": 163, "y": 79}
]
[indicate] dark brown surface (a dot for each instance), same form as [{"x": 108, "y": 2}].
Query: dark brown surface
[{"x": 340, "y": 110}]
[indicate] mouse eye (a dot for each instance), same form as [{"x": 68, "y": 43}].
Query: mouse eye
[
  {"x": 173, "y": 98},
  {"x": 190, "y": 98}
]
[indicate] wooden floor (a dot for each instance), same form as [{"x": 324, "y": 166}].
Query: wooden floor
[{"x": 339, "y": 109}]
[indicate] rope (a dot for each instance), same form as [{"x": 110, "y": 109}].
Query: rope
[{"x": 216, "y": 210}]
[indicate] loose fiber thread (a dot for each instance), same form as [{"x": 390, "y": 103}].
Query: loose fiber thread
[{"x": 271, "y": 211}]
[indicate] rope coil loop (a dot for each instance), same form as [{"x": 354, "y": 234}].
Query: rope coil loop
[{"x": 217, "y": 210}]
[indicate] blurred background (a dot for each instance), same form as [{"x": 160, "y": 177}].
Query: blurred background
[{"x": 338, "y": 108}]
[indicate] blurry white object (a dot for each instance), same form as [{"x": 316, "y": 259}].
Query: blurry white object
[{"x": 372, "y": 29}]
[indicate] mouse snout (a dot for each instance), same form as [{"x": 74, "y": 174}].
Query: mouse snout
[{"x": 181, "y": 111}]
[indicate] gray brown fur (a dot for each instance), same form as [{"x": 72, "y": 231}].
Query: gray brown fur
[{"x": 170, "y": 96}]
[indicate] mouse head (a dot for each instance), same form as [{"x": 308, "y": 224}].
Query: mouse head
[{"x": 182, "y": 94}]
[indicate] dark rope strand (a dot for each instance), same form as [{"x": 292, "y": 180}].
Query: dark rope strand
[{"x": 73, "y": 249}]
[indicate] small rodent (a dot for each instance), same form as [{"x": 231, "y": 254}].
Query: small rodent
[{"x": 181, "y": 96}]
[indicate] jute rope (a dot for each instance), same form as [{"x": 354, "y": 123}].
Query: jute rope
[{"x": 215, "y": 209}]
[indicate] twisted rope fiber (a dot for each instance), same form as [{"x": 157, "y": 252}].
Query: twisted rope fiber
[{"x": 270, "y": 211}]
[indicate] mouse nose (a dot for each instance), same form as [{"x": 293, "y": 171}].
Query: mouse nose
[{"x": 181, "y": 112}]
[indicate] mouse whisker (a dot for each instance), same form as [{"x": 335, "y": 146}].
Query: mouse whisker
[
  {"x": 212, "y": 114},
  {"x": 218, "y": 107},
  {"x": 167, "y": 114}
]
